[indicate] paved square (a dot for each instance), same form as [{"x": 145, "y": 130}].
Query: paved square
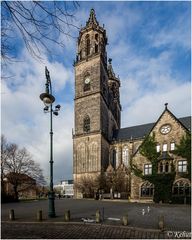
[{"x": 177, "y": 219}]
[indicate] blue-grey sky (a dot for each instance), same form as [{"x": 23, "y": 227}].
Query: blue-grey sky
[{"x": 150, "y": 44}]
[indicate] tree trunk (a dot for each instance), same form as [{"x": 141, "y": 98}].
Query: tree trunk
[{"x": 16, "y": 192}]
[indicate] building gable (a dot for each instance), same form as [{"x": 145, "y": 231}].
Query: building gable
[
  {"x": 168, "y": 131},
  {"x": 178, "y": 127},
  {"x": 141, "y": 131},
  {"x": 169, "y": 128},
  {"x": 167, "y": 116}
]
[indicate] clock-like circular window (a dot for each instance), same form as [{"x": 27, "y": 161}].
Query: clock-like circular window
[
  {"x": 165, "y": 129},
  {"x": 87, "y": 80},
  {"x": 87, "y": 85}
]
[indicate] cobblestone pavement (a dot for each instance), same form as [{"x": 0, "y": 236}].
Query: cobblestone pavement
[
  {"x": 20, "y": 230},
  {"x": 177, "y": 217},
  {"x": 177, "y": 220}
]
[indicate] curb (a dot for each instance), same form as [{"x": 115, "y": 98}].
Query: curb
[{"x": 82, "y": 223}]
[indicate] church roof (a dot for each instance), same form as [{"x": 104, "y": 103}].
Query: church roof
[
  {"x": 140, "y": 131},
  {"x": 164, "y": 156},
  {"x": 186, "y": 121}
]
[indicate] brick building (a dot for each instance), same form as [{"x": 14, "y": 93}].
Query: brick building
[
  {"x": 26, "y": 186},
  {"x": 98, "y": 139}
]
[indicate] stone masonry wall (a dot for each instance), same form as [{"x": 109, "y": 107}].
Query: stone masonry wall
[
  {"x": 91, "y": 67},
  {"x": 175, "y": 135}
]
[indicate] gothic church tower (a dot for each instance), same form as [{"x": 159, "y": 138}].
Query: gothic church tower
[{"x": 97, "y": 103}]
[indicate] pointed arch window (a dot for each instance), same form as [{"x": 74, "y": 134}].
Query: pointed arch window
[
  {"x": 117, "y": 157},
  {"x": 126, "y": 156},
  {"x": 114, "y": 158},
  {"x": 87, "y": 82},
  {"x": 182, "y": 187},
  {"x": 81, "y": 157},
  {"x": 86, "y": 124},
  {"x": 147, "y": 189},
  {"x": 87, "y": 85},
  {"x": 88, "y": 45},
  {"x": 93, "y": 156},
  {"x": 161, "y": 167},
  {"x": 80, "y": 55},
  {"x": 96, "y": 48},
  {"x": 167, "y": 167}
]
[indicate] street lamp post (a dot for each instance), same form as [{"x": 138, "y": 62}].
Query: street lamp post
[{"x": 48, "y": 99}]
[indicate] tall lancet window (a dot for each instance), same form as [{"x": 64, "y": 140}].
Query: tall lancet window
[
  {"x": 126, "y": 156},
  {"x": 96, "y": 43},
  {"x": 117, "y": 158},
  {"x": 93, "y": 156},
  {"x": 88, "y": 45},
  {"x": 86, "y": 124},
  {"x": 96, "y": 48},
  {"x": 81, "y": 157},
  {"x": 114, "y": 158}
]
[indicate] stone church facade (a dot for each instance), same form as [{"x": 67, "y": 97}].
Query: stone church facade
[{"x": 99, "y": 142}]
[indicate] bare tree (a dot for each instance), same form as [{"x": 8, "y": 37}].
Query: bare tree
[
  {"x": 87, "y": 185},
  {"x": 19, "y": 168},
  {"x": 101, "y": 181},
  {"x": 4, "y": 157},
  {"x": 120, "y": 181},
  {"x": 37, "y": 23},
  {"x": 110, "y": 180}
]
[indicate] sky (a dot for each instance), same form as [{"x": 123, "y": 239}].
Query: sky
[{"x": 150, "y": 44}]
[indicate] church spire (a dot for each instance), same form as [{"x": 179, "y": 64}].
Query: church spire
[
  {"x": 92, "y": 40},
  {"x": 111, "y": 73},
  {"x": 92, "y": 19},
  {"x": 110, "y": 69}
]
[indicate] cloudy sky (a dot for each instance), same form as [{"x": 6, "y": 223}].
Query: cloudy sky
[{"x": 149, "y": 43}]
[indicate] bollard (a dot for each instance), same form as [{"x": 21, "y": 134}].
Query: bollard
[
  {"x": 148, "y": 209},
  {"x": 143, "y": 211},
  {"x": 97, "y": 217},
  {"x": 125, "y": 220},
  {"x": 67, "y": 216},
  {"x": 161, "y": 223},
  {"x": 39, "y": 215},
  {"x": 11, "y": 215}
]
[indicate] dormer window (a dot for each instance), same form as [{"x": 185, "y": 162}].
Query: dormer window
[
  {"x": 172, "y": 147},
  {"x": 158, "y": 147},
  {"x": 165, "y": 147}
]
